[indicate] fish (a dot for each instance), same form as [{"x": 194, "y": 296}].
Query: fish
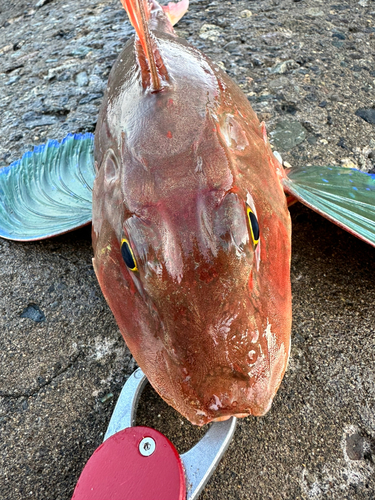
[
  {"x": 190, "y": 224},
  {"x": 186, "y": 183}
]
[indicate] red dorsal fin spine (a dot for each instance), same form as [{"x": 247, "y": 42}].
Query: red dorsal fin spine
[{"x": 139, "y": 15}]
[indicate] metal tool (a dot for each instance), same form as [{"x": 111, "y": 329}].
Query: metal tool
[{"x": 139, "y": 463}]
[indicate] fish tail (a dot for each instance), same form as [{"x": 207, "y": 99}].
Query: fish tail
[{"x": 344, "y": 196}]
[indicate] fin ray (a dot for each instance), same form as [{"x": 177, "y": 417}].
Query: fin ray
[
  {"x": 139, "y": 15},
  {"x": 49, "y": 191},
  {"x": 175, "y": 11},
  {"x": 344, "y": 196}
]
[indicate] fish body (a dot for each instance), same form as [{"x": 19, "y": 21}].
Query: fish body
[{"x": 185, "y": 182}]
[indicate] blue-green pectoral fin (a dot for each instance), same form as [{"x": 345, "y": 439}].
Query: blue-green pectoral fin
[
  {"x": 49, "y": 191},
  {"x": 344, "y": 196}
]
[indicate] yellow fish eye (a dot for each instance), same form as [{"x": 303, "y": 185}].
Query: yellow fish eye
[
  {"x": 128, "y": 255},
  {"x": 254, "y": 226}
]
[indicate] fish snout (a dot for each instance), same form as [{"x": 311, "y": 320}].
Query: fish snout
[{"x": 233, "y": 394}]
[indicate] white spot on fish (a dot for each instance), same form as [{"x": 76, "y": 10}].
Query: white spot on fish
[
  {"x": 252, "y": 357},
  {"x": 199, "y": 165},
  {"x": 172, "y": 253},
  {"x": 255, "y": 339},
  {"x": 271, "y": 339},
  {"x": 200, "y": 412},
  {"x": 156, "y": 267},
  {"x": 233, "y": 134},
  {"x": 215, "y": 406},
  {"x": 269, "y": 365},
  {"x": 275, "y": 355},
  {"x": 219, "y": 332}
]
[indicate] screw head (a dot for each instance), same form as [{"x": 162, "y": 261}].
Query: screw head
[{"x": 147, "y": 446}]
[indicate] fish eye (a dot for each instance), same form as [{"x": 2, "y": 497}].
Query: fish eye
[
  {"x": 254, "y": 226},
  {"x": 128, "y": 255}
]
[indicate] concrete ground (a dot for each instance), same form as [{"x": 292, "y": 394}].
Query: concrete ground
[{"x": 63, "y": 361}]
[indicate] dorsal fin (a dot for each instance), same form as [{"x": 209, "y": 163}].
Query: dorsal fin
[
  {"x": 139, "y": 15},
  {"x": 175, "y": 11}
]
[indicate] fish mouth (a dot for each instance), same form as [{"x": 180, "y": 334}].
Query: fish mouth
[
  {"x": 237, "y": 395},
  {"x": 227, "y": 417},
  {"x": 255, "y": 411}
]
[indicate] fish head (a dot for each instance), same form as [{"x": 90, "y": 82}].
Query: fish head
[{"x": 191, "y": 235}]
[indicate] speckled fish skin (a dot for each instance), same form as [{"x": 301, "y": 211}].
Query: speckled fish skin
[{"x": 207, "y": 315}]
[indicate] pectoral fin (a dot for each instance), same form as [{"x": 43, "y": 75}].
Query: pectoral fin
[
  {"x": 49, "y": 191},
  {"x": 344, "y": 196}
]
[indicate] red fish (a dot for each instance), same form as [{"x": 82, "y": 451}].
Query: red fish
[{"x": 191, "y": 230}]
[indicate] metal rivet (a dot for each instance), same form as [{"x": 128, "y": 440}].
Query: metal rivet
[{"x": 147, "y": 446}]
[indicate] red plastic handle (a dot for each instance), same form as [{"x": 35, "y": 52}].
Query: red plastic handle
[{"x": 118, "y": 471}]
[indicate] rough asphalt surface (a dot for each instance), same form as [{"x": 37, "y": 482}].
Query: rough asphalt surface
[{"x": 308, "y": 69}]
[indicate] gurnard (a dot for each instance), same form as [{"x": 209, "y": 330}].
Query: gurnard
[{"x": 190, "y": 224}]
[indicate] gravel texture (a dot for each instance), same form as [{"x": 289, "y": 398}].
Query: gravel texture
[{"x": 308, "y": 69}]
